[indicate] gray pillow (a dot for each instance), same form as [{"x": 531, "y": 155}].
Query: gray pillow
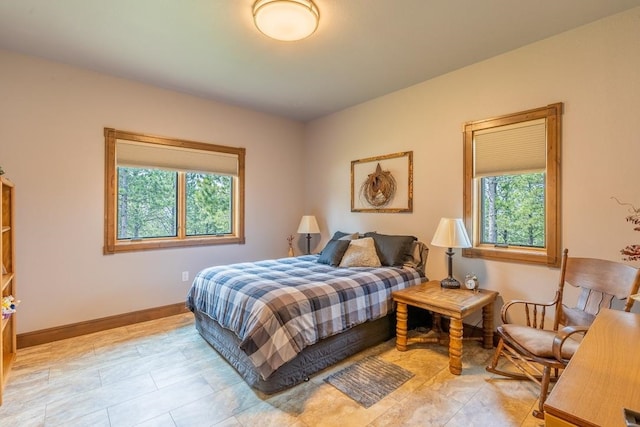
[
  {"x": 392, "y": 250},
  {"x": 333, "y": 252},
  {"x": 339, "y": 235}
]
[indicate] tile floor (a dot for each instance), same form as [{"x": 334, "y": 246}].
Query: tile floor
[{"x": 162, "y": 373}]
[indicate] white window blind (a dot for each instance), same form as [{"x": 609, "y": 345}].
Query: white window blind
[
  {"x": 510, "y": 149},
  {"x": 146, "y": 155}
]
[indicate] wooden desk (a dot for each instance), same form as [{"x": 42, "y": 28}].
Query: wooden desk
[
  {"x": 602, "y": 378},
  {"x": 453, "y": 303}
]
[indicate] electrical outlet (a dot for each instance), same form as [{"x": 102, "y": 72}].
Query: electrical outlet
[{"x": 185, "y": 276}]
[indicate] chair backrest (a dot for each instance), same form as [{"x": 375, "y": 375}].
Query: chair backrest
[{"x": 600, "y": 282}]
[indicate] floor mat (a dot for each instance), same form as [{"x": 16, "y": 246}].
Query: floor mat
[{"x": 369, "y": 380}]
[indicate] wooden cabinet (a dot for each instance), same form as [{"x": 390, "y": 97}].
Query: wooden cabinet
[{"x": 8, "y": 282}]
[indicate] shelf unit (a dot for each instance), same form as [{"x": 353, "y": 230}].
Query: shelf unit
[{"x": 8, "y": 282}]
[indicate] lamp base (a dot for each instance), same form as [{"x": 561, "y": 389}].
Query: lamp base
[
  {"x": 449, "y": 283},
  {"x": 308, "y": 243}
]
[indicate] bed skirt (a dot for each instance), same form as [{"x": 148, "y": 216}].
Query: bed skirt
[{"x": 311, "y": 360}]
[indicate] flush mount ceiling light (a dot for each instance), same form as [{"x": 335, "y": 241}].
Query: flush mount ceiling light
[{"x": 286, "y": 20}]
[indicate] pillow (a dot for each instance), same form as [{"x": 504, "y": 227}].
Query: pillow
[
  {"x": 417, "y": 256},
  {"x": 339, "y": 235},
  {"x": 412, "y": 259},
  {"x": 333, "y": 252},
  {"x": 392, "y": 250},
  {"x": 361, "y": 253}
]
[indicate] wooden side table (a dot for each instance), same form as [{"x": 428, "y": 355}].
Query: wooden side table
[{"x": 453, "y": 303}]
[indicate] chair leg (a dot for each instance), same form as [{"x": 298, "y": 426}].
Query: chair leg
[
  {"x": 544, "y": 390},
  {"x": 503, "y": 350},
  {"x": 496, "y": 356}
]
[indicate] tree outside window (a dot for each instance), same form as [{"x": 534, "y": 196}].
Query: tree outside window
[{"x": 513, "y": 210}]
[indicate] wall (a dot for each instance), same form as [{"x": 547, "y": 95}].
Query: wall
[
  {"x": 594, "y": 70},
  {"x": 52, "y": 147}
]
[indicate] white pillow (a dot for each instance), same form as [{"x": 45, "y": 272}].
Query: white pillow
[{"x": 361, "y": 253}]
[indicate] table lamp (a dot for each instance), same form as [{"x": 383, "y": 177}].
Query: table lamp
[
  {"x": 451, "y": 233},
  {"x": 308, "y": 225}
]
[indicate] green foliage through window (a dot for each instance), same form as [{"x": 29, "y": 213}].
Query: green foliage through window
[
  {"x": 209, "y": 204},
  {"x": 513, "y": 210},
  {"x": 148, "y": 203}
]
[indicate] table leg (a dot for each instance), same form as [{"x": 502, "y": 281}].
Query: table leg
[
  {"x": 441, "y": 337},
  {"x": 487, "y": 325},
  {"x": 401, "y": 326},
  {"x": 455, "y": 346},
  {"x": 437, "y": 322}
]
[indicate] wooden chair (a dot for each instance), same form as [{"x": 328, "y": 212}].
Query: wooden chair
[{"x": 540, "y": 354}]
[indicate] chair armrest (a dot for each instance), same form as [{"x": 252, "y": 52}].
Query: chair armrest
[
  {"x": 563, "y": 335},
  {"x": 528, "y": 308}
]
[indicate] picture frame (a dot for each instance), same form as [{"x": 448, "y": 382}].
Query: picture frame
[{"x": 382, "y": 184}]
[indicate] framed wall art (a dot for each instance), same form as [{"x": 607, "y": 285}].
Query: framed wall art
[{"x": 382, "y": 183}]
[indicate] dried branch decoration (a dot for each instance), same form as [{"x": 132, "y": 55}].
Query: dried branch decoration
[
  {"x": 379, "y": 188},
  {"x": 631, "y": 252}
]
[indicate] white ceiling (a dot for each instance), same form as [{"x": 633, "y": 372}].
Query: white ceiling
[{"x": 361, "y": 50}]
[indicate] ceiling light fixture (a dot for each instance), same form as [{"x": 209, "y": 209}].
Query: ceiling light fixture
[{"x": 286, "y": 20}]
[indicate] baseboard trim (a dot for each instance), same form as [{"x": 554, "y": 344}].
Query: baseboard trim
[
  {"x": 57, "y": 333},
  {"x": 44, "y": 336}
]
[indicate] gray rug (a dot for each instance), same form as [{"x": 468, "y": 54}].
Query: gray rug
[{"x": 369, "y": 380}]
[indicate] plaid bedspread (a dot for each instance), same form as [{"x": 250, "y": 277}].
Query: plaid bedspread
[{"x": 278, "y": 307}]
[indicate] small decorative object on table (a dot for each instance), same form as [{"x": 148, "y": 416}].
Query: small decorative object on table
[
  {"x": 9, "y": 304},
  {"x": 1, "y": 171},
  {"x": 471, "y": 282},
  {"x": 290, "y": 240}
]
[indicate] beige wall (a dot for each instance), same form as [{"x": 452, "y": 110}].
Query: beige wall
[
  {"x": 51, "y": 145},
  {"x": 594, "y": 70}
]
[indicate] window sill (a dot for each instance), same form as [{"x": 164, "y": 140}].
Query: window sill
[
  {"x": 152, "y": 244},
  {"x": 530, "y": 256}
]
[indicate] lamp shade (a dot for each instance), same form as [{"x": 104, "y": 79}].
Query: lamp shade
[
  {"x": 286, "y": 20},
  {"x": 309, "y": 225},
  {"x": 451, "y": 233}
]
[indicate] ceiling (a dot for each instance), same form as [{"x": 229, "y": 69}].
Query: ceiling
[{"x": 210, "y": 48}]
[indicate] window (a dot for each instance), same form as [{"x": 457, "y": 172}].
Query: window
[
  {"x": 162, "y": 192},
  {"x": 512, "y": 186}
]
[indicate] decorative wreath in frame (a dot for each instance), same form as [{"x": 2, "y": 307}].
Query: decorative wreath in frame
[{"x": 379, "y": 188}]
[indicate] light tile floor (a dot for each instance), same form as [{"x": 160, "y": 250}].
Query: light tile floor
[{"x": 162, "y": 373}]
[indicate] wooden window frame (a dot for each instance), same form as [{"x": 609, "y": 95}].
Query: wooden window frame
[
  {"x": 550, "y": 255},
  {"x": 113, "y": 245}
]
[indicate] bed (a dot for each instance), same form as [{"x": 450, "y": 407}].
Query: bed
[{"x": 279, "y": 321}]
